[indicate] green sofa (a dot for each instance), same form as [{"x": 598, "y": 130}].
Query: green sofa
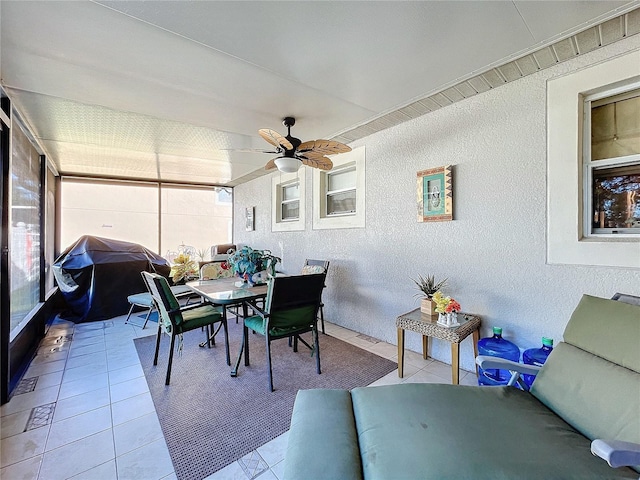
[{"x": 588, "y": 389}]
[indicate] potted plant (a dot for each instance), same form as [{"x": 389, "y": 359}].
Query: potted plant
[
  {"x": 428, "y": 287},
  {"x": 247, "y": 262}
]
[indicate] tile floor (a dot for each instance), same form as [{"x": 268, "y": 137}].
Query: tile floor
[{"x": 83, "y": 410}]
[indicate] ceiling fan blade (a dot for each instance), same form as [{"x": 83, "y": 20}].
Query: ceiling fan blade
[
  {"x": 275, "y": 139},
  {"x": 271, "y": 164},
  {"x": 321, "y": 147},
  {"x": 323, "y": 163},
  {"x": 248, "y": 150}
]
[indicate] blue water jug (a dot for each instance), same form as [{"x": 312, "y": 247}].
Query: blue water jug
[
  {"x": 496, "y": 346},
  {"x": 536, "y": 356}
]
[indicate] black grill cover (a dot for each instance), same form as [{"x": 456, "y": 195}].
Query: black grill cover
[{"x": 95, "y": 275}]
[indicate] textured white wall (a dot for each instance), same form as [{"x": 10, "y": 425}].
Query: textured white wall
[{"x": 493, "y": 253}]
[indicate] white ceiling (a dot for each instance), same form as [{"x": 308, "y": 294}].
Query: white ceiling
[{"x": 166, "y": 89}]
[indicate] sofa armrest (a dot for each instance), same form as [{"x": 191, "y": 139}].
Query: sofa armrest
[
  {"x": 617, "y": 453},
  {"x": 323, "y": 442}
]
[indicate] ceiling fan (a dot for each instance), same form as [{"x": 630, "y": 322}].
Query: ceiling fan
[{"x": 292, "y": 153}]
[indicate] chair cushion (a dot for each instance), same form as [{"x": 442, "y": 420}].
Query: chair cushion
[
  {"x": 312, "y": 269},
  {"x": 436, "y": 431},
  {"x": 607, "y": 328},
  {"x": 180, "y": 290},
  {"x": 199, "y": 317},
  {"x": 598, "y": 398},
  {"x": 141, "y": 299},
  {"x": 284, "y": 323},
  {"x": 214, "y": 270}
]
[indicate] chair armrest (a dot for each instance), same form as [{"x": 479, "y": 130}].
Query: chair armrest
[
  {"x": 192, "y": 306},
  {"x": 617, "y": 453},
  {"x": 257, "y": 309},
  {"x": 486, "y": 363}
]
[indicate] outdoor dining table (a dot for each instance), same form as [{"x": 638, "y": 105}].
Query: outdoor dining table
[{"x": 225, "y": 292}]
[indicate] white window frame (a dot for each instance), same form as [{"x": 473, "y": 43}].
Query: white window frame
[
  {"x": 345, "y": 168},
  {"x": 603, "y": 97},
  {"x": 278, "y": 181},
  {"x": 566, "y": 243},
  {"x": 322, "y": 220}
]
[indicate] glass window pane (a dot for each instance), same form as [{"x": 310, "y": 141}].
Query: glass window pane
[
  {"x": 125, "y": 211},
  {"x": 291, "y": 192},
  {"x": 194, "y": 217},
  {"x": 290, "y": 210},
  {"x": 25, "y": 226},
  {"x": 343, "y": 202},
  {"x": 616, "y": 197},
  {"x": 342, "y": 179},
  {"x": 615, "y": 129}
]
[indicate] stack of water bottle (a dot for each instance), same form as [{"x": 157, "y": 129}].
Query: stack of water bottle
[{"x": 496, "y": 346}]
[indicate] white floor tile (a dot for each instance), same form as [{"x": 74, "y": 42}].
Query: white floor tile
[
  {"x": 26, "y": 401},
  {"x": 150, "y": 462},
  {"x": 384, "y": 350},
  {"x": 389, "y": 379},
  {"x": 26, "y": 470},
  {"x": 78, "y": 427},
  {"x": 273, "y": 452},
  {"x": 132, "y": 407},
  {"x": 106, "y": 471},
  {"x": 232, "y": 471},
  {"x": 14, "y": 424},
  {"x": 49, "y": 357},
  {"x": 78, "y": 404},
  {"x": 77, "y": 373},
  {"x": 424, "y": 376},
  {"x": 441, "y": 370},
  {"x": 49, "y": 380},
  {"x": 96, "y": 358},
  {"x": 82, "y": 385},
  {"x": 81, "y": 348},
  {"x": 136, "y": 433},
  {"x": 128, "y": 389},
  {"x": 44, "y": 368},
  {"x": 278, "y": 470},
  {"x": 77, "y": 457},
  {"x": 22, "y": 446},
  {"x": 123, "y": 374}
]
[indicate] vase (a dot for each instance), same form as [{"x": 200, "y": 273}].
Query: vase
[
  {"x": 428, "y": 307},
  {"x": 442, "y": 319}
]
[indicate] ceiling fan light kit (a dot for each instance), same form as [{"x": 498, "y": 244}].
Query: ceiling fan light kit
[
  {"x": 293, "y": 153},
  {"x": 287, "y": 164}
]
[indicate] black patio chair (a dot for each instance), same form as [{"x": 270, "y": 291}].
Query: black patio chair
[{"x": 291, "y": 309}]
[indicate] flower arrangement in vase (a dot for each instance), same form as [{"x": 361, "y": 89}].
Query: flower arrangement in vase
[
  {"x": 447, "y": 309},
  {"x": 251, "y": 265},
  {"x": 183, "y": 268},
  {"x": 428, "y": 288}
]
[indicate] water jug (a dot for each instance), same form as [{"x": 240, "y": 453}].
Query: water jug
[
  {"x": 536, "y": 356},
  {"x": 496, "y": 346}
]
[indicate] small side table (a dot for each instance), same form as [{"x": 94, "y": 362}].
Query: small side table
[{"x": 418, "y": 322}]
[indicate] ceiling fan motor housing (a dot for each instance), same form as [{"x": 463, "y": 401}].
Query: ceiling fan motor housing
[{"x": 290, "y": 122}]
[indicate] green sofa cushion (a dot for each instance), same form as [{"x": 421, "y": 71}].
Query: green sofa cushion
[
  {"x": 433, "y": 431},
  {"x": 597, "y": 397},
  {"x": 607, "y": 328},
  {"x": 322, "y": 441}
]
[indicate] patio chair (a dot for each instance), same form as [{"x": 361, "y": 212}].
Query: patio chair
[
  {"x": 291, "y": 309},
  {"x": 177, "y": 320},
  {"x": 145, "y": 300},
  {"x": 317, "y": 266}
]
